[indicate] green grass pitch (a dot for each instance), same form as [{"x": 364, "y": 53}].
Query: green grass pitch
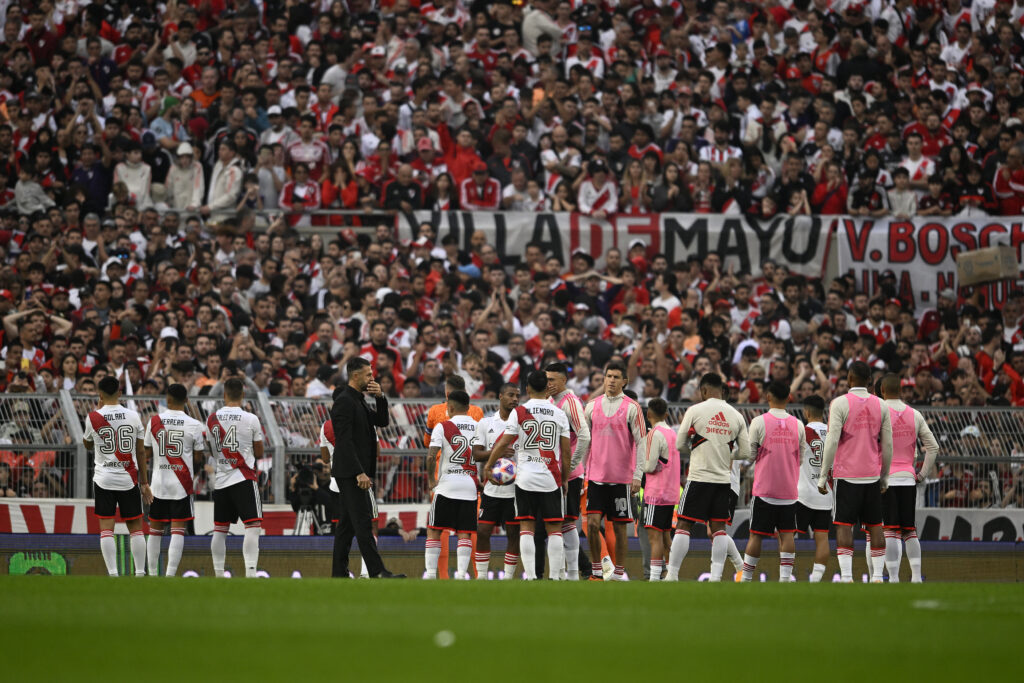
[{"x": 158, "y": 629}]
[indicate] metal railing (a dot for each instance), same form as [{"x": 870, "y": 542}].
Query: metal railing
[{"x": 980, "y": 462}]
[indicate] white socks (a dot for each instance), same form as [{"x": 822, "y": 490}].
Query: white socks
[
  {"x": 138, "y": 542},
  {"x": 893, "y": 554},
  {"x": 749, "y": 565},
  {"x": 153, "y": 551},
  {"x": 734, "y": 553},
  {"x": 719, "y": 549},
  {"x": 556, "y": 556},
  {"x": 432, "y": 555},
  {"x": 511, "y": 560},
  {"x": 109, "y": 551},
  {"x": 676, "y": 554},
  {"x": 218, "y": 547},
  {"x": 483, "y": 565},
  {"x": 174, "y": 551},
  {"x": 656, "y": 566},
  {"x": 529, "y": 552},
  {"x": 251, "y": 550},
  {"x": 463, "y": 551},
  {"x": 877, "y": 564},
  {"x": 571, "y": 548},
  {"x": 845, "y": 564},
  {"x": 817, "y": 572},
  {"x": 913, "y": 555},
  {"x": 786, "y": 561}
]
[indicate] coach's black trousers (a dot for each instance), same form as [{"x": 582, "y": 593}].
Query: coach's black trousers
[{"x": 357, "y": 511}]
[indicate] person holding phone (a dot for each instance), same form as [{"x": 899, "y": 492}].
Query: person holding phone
[{"x": 354, "y": 468}]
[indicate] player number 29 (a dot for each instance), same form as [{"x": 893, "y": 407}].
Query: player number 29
[{"x": 540, "y": 435}]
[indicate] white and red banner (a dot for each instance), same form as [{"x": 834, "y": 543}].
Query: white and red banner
[
  {"x": 801, "y": 242},
  {"x": 922, "y": 253},
  {"x": 76, "y": 516}
]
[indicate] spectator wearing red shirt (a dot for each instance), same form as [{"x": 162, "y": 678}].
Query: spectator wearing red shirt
[
  {"x": 480, "y": 192},
  {"x": 829, "y": 196}
]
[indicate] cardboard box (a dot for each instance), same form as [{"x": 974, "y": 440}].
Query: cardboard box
[{"x": 985, "y": 265}]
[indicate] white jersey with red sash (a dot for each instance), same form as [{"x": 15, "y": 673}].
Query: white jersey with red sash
[
  {"x": 114, "y": 431},
  {"x": 539, "y": 426},
  {"x": 234, "y": 431},
  {"x": 592, "y": 198},
  {"x": 457, "y": 477},
  {"x": 327, "y": 441},
  {"x": 173, "y": 436}
]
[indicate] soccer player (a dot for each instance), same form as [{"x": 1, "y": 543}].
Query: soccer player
[
  {"x": 454, "y": 488},
  {"x": 616, "y": 427},
  {"x": 660, "y": 459},
  {"x": 437, "y": 414},
  {"x": 777, "y": 439},
  {"x": 114, "y": 434},
  {"x": 497, "y": 504},
  {"x": 814, "y": 509},
  {"x": 858, "y": 451},
  {"x": 708, "y": 433},
  {"x": 899, "y": 501},
  {"x": 238, "y": 439},
  {"x": 172, "y": 442},
  {"x": 541, "y": 431},
  {"x": 579, "y": 439}
]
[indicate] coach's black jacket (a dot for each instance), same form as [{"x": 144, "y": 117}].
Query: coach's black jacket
[{"x": 355, "y": 439}]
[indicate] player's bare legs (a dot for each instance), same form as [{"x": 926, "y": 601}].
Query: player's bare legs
[
  {"x": 719, "y": 549},
  {"x": 752, "y": 553},
  {"x": 787, "y": 555},
  {"x": 877, "y": 552},
  {"x": 107, "y": 546},
  {"x": 432, "y": 553},
  {"x": 156, "y": 537},
  {"x": 594, "y": 541},
  {"x": 820, "y": 555},
  {"x": 463, "y": 552},
  {"x": 620, "y": 550},
  {"x": 680, "y": 546},
  {"x": 138, "y": 544},
  {"x": 659, "y": 541}
]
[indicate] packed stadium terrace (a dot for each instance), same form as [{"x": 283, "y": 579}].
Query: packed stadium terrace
[{"x": 166, "y": 168}]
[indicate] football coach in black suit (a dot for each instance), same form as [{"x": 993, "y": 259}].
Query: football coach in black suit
[{"x": 354, "y": 467}]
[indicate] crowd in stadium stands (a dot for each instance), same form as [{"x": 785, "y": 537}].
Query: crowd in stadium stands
[{"x": 141, "y": 140}]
